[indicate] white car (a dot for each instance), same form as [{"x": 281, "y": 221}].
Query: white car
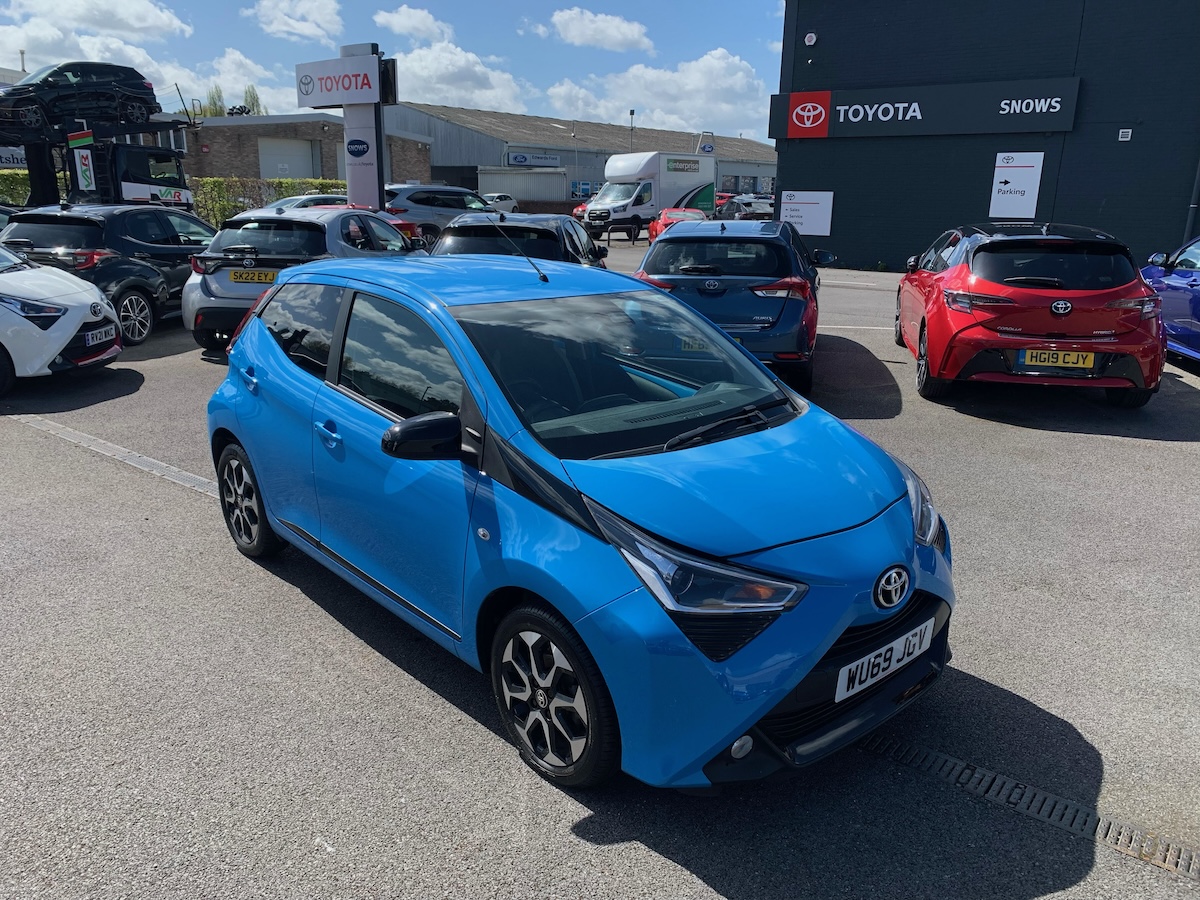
[
  {"x": 502, "y": 202},
  {"x": 51, "y": 321}
]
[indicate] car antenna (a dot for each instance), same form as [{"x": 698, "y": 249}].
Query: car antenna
[
  {"x": 722, "y": 228},
  {"x": 516, "y": 246}
]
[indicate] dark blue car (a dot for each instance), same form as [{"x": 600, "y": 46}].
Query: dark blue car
[
  {"x": 1176, "y": 280},
  {"x": 757, "y": 280}
]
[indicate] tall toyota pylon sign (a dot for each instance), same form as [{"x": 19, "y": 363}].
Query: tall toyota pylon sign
[{"x": 360, "y": 83}]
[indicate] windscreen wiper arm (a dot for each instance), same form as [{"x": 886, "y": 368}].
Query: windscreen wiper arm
[
  {"x": 750, "y": 415},
  {"x": 1042, "y": 280}
]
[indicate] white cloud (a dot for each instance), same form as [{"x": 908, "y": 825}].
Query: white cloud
[
  {"x": 718, "y": 92},
  {"x": 775, "y": 46},
  {"x": 299, "y": 20},
  {"x": 148, "y": 20},
  {"x": 588, "y": 29},
  {"x": 541, "y": 30},
  {"x": 419, "y": 24},
  {"x": 447, "y": 75}
]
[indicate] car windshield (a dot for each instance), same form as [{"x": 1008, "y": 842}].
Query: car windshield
[
  {"x": 9, "y": 259},
  {"x": 270, "y": 238},
  {"x": 36, "y": 76},
  {"x": 72, "y": 234},
  {"x": 1070, "y": 266},
  {"x": 620, "y": 374},
  {"x": 717, "y": 256},
  {"x": 506, "y": 240},
  {"x": 616, "y": 193},
  {"x": 683, "y": 214}
]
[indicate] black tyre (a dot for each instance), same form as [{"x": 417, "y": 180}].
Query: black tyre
[
  {"x": 1128, "y": 398},
  {"x": 898, "y": 335},
  {"x": 553, "y": 700},
  {"x": 211, "y": 340},
  {"x": 242, "y": 505},
  {"x": 31, "y": 116},
  {"x": 135, "y": 311},
  {"x": 134, "y": 112},
  {"x": 8, "y": 374},
  {"x": 635, "y": 228},
  {"x": 516, "y": 208},
  {"x": 927, "y": 386}
]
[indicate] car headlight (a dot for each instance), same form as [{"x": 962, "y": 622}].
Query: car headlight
[
  {"x": 925, "y": 515},
  {"x": 688, "y": 584},
  {"x": 43, "y": 315}
]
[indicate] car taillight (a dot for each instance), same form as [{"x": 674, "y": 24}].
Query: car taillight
[
  {"x": 790, "y": 288},
  {"x": 965, "y": 302},
  {"x": 662, "y": 285},
  {"x": 197, "y": 266},
  {"x": 250, "y": 314},
  {"x": 397, "y": 210},
  {"x": 89, "y": 259},
  {"x": 148, "y": 85},
  {"x": 1147, "y": 304}
]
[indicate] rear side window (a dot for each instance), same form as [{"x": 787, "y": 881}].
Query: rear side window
[
  {"x": 74, "y": 234},
  {"x": 1074, "y": 266},
  {"x": 717, "y": 257},
  {"x": 506, "y": 241},
  {"x": 272, "y": 238},
  {"x": 301, "y": 317}
]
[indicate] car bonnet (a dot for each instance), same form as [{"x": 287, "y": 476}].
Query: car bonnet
[
  {"x": 809, "y": 477},
  {"x": 47, "y": 283}
]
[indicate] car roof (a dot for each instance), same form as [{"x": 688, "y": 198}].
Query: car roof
[
  {"x": 89, "y": 210},
  {"x": 533, "y": 220},
  {"x": 467, "y": 279},
  {"x": 428, "y": 187},
  {"x": 308, "y": 213},
  {"x": 694, "y": 228},
  {"x": 1007, "y": 230}
]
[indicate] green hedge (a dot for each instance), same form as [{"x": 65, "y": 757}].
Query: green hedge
[
  {"x": 219, "y": 198},
  {"x": 14, "y": 186}
]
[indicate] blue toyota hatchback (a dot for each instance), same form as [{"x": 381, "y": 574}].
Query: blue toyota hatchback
[
  {"x": 1175, "y": 278},
  {"x": 667, "y": 561}
]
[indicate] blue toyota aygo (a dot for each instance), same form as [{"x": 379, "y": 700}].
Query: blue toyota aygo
[{"x": 668, "y": 562}]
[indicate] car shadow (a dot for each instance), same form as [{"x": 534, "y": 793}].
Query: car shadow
[
  {"x": 855, "y": 825},
  {"x": 71, "y": 390},
  {"x": 852, "y": 382},
  {"x": 1173, "y": 414},
  {"x": 169, "y": 338}
]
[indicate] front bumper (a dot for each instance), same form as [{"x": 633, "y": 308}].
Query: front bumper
[{"x": 680, "y": 709}]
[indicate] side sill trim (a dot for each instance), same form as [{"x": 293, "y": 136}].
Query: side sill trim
[{"x": 363, "y": 576}]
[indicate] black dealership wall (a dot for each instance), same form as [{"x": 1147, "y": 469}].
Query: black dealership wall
[{"x": 894, "y": 195}]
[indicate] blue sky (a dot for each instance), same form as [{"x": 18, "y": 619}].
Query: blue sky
[{"x": 696, "y": 65}]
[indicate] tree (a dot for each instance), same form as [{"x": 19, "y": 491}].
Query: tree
[
  {"x": 252, "y": 102},
  {"x": 215, "y": 104}
]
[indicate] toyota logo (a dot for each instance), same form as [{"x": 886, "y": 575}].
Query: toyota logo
[
  {"x": 711, "y": 285},
  {"x": 540, "y": 699},
  {"x": 892, "y": 587},
  {"x": 1008, "y": 160},
  {"x": 306, "y": 84},
  {"x": 1060, "y": 307},
  {"x": 247, "y": 263},
  {"x": 808, "y": 115},
  {"x": 96, "y": 310}
]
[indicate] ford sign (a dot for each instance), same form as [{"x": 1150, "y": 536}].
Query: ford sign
[
  {"x": 520, "y": 159},
  {"x": 357, "y": 147},
  {"x": 706, "y": 148}
]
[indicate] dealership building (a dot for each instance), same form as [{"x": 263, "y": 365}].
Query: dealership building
[{"x": 912, "y": 116}]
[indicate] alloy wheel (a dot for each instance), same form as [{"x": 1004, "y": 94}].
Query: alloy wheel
[
  {"x": 239, "y": 500},
  {"x": 544, "y": 700},
  {"x": 136, "y": 113},
  {"x": 136, "y": 318},
  {"x": 31, "y": 116}
]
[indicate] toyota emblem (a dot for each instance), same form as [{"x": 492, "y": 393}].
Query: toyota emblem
[
  {"x": 1008, "y": 160},
  {"x": 247, "y": 263},
  {"x": 892, "y": 587},
  {"x": 711, "y": 285},
  {"x": 306, "y": 85},
  {"x": 96, "y": 310},
  {"x": 1060, "y": 307},
  {"x": 808, "y": 115}
]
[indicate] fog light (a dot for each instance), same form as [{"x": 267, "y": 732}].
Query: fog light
[{"x": 741, "y": 746}]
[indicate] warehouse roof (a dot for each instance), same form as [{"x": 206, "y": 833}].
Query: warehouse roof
[{"x": 540, "y": 131}]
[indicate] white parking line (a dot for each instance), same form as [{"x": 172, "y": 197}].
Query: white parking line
[
  {"x": 825, "y": 281},
  {"x": 138, "y": 461},
  {"x": 825, "y": 327}
]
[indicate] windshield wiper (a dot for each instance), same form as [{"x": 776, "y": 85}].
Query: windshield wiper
[
  {"x": 749, "y": 415},
  {"x": 1039, "y": 280},
  {"x": 700, "y": 270},
  {"x": 240, "y": 248}
]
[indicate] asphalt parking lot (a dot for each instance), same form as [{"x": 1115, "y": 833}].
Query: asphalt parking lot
[{"x": 179, "y": 721}]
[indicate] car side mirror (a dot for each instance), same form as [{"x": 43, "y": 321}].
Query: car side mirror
[
  {"x": 418, "y": 243},
  {"x": 823, "y": 257},
  {"x": 1158, "y": 259},
  {"x": 432, "y": 435},
  {"x": 601, "y": 251},
  {"x": 911, "y": 265}
]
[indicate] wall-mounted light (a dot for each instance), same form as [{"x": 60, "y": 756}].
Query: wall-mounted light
[{"x": 324, "y": 126}]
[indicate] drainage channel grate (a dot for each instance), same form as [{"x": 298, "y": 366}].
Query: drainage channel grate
[
  {"x": 145, "y": 463},
  {"x": 1132, "y": 840}
]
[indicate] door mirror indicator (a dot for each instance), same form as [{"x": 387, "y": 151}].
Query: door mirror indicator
[
  {"x": 432, "y": 435},
  {"x": 911, "y": 265}
]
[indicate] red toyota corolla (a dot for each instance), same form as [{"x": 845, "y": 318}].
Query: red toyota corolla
[
  {"x": 1031, "y": 303},
  {"x": 670, "y": 216}
]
